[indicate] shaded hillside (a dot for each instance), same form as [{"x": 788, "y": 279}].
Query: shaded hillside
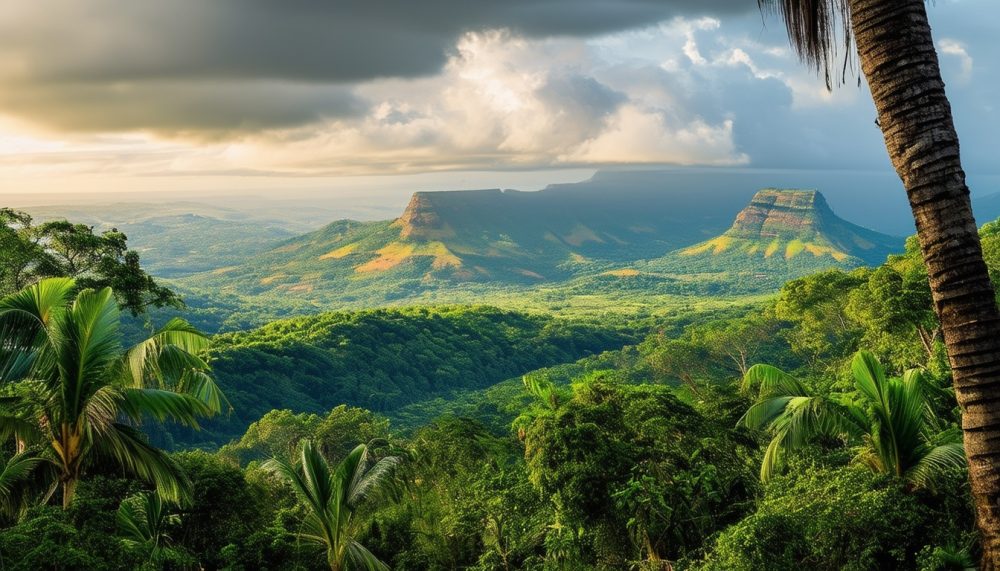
[
  {"x": 384, "y": 359},
  {"x": 182, "y": 238}
]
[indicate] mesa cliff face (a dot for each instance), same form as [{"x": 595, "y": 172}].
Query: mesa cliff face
[
  {"x": 776, "y": 213},
  {"x": 421, "y": 221}
]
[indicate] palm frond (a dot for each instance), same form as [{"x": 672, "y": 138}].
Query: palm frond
[
  {"x": 772, "y": 381},
  {"x": 869, "y": 378},
  {"x": 14, "y": 474},
  {"x": 762, "y": 413},
  {"x": 102, "y": 408},
  {"x": 310, "y": 477},
  {"x": 201, "y": 386},
  {"x": 371, "y": 480},
  {"x": 39, "y": 301},
  {"x": 162, "y": 405},
  {"x": 933, "y": 463},
  {"x": 802, "y": 420},
  {"x": 24, "y": 319},
  {"x": 13, "y": 426},
  {"x": 361, "y": 558},
  {"x": 126, "y": 446},
  {"x": 899, "y": 412},
  {"x": 351, "y": 469},
  {"x": 89, "y": 343},
  {"x": 134, "y": 519},
  {"x": 331, "y": 498},
  {"x": 819, "y": 31},
  {"x": 167, "y": 355}
]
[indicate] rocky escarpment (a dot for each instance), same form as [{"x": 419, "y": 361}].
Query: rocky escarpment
[
  {"x": 777, "y": 213},
  {"x": 421, "y": 220}
]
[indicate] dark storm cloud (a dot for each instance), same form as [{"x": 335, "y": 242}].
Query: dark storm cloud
[
  {"x": 302, "y": 40},
  {"x": 215, "y": 67},
  {"x": 205, "y": 110}
]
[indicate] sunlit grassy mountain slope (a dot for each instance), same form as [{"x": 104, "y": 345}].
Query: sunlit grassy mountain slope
[{"x": 487, "y": 236}]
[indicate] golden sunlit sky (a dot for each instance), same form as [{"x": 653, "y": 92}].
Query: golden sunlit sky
[{"x": 236, "y": 95}]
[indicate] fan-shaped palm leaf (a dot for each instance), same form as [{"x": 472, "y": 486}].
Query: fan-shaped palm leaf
[
  {"x": 332, "y": 498},
  {"x": 143, "y": 521},
  {"x": 889, "y": 418}
]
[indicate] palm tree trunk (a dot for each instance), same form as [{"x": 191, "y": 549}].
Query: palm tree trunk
[
  {"x": 69, "y": 490},
  {"x": 897, "y": 55}
]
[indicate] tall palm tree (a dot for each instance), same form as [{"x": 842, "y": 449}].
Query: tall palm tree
[
  {"x": 332, "y": 500},
  {"x": 73, "y": 391},
  {"x": 889, "y": 420},
  {"x": 896, "y": 51}
]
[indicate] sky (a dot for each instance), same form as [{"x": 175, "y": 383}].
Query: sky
[{"x": 351, "y": 96}]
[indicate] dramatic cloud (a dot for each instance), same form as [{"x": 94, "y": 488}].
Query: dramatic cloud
[
  {"x": 318, "y": 40},
  {"x": 502, "y": 101},
  {"x": 336, "y": 88}
]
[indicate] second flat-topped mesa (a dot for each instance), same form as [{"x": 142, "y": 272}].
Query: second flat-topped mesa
[{"x": 792, "y": 223}]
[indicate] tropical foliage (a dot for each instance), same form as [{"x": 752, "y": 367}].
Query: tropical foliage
[
  {"x": 62, "y": 249},
  {"x": 890, "y": 420},
  {"x": 75, "y": 396},
  {"x": 332, "y": 498}
]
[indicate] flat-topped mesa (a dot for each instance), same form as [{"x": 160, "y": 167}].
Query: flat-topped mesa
[{"x": 775, "y": 213}]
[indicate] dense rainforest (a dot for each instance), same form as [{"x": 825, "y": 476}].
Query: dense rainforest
[
  {"x": 384, "y": 359},
  {"x": 479, "y": 438}
]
